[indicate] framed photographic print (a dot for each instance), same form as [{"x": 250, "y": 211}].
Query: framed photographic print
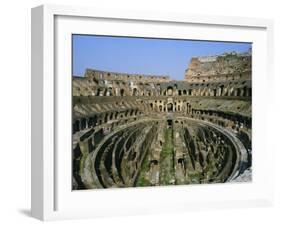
[{"x": 137, "y": 112}]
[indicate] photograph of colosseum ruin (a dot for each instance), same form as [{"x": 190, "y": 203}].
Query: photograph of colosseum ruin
[{"x": 156, "y": 112}]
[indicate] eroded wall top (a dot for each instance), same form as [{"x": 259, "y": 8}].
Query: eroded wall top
[
  {"x": 226, "y": 65},
  {"x": 106, "y": 75}
]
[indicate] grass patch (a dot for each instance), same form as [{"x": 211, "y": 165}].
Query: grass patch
[
  {"x": 195, "y": 177},
  {"x": 167, "y": 172},
  {"x": 142, "y": 181}
]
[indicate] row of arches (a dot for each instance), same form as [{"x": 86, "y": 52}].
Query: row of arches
[
  {"x": 99, "y": 119},
  {"x": 205, "y": 91},
  {"x": 126, "y": 77},
  {"x": 203, "y": 79},
  {"x": 235, "y": 121},
  {"x": 176, "y": 106},
  {"x": 124, "y": 92},
  {"x": 219, "y": 91},
  {"x": 196, "y": 90},
  {"x": 157, "y": 106}
]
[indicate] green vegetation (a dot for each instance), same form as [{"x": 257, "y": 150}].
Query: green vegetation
[
  {"x": 142, "y": 181},
  {"x": 167, "y": 172},
  {"x": 195, "y": 177},
  {"x": 85, "y": 152}
]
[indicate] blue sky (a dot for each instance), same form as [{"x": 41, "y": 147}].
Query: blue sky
[{"x": 143, "y": 55}]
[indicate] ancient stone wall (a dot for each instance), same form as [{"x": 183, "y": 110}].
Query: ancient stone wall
[{"x": 229, "y": 66}]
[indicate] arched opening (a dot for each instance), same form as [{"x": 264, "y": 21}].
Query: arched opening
[
  {"x": 184, "y": 92},
  {"x": 170, "y": 123},
  {"x": 95, "y": 119},
  {"x": 153, "y": 162},
  {"x": 90, "y": 122},
  {"x": 170, "y": 107},
  {"x": 83, "y": 123},
  {"x": 180, "y": 161},
  {"x": 122, "y": 92},
  {"x": 134, "y": 91},
  {"x": 105, "y": 118},
  {"x": 170, "y": 91},
  {"x": 111, "y": 116},
  {"x": 238, "y": 93},
  {"x": 244, "y": 91},
  {"x": 99, "y": 93},
  {"x": 221, "y": 90},
  {"x": 215, "y": 92},
  {"x": 179, "y": 92},
  {"x": 109, "y": 92}
]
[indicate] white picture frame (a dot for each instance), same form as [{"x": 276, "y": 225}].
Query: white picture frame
[{"x": 52, "y": 197}]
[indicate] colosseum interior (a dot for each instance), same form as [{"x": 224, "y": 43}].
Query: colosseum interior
[{"x": 133, "y": 130}]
